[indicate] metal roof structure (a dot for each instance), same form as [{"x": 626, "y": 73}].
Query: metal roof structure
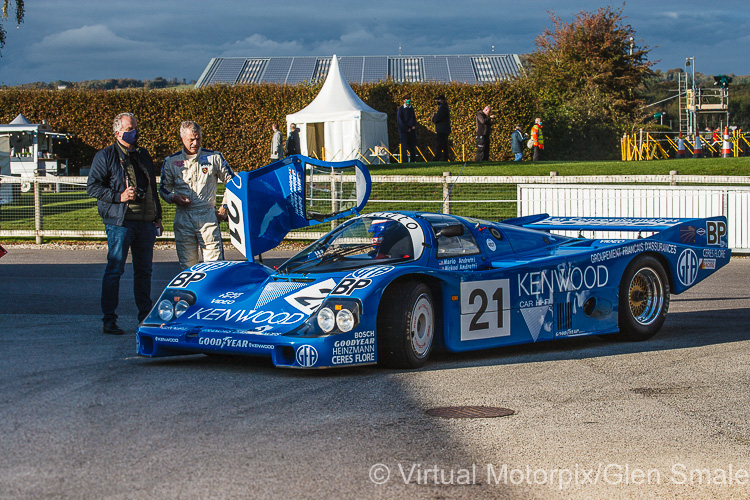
[{"x": 470, "y": 68}]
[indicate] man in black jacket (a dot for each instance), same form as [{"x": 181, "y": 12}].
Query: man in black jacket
[
  {"x": 292, "y": 142},
  {"x": 484, "y": 129},
  {"x": 406, "y": 120},
  {"x": 442, "y": 120},
  {"x": 122, "y": 180}
]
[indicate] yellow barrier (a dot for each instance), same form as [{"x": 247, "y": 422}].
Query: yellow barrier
[{"x": 651, "y": 148}]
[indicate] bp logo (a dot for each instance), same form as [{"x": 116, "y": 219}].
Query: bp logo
[
  {"x": 687, "y": 267},
  {"x": 307, "y": 356}
]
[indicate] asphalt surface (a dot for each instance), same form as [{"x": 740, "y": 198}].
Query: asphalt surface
[{"x": 82, "y": 416}]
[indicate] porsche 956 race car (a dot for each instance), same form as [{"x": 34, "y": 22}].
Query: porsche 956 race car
[{"x": 390, "y": 287}]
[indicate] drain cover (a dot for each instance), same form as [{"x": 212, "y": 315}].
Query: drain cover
[{"x": 469, "y": 412}]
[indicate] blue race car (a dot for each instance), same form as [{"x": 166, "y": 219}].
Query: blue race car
[{"x": 390, "y": 287}]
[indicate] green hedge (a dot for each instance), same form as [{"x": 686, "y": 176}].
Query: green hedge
[{"x": 236, "y": 119}]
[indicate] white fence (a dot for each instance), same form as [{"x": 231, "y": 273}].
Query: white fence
[{"x": 733, "y": 202}]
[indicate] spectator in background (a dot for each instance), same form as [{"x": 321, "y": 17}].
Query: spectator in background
[
  {"x": 407, "y": 130},
  {"x": 517, "y": 140},
  {"x": 484, "y": 129},
  {"x": 537, "y": 139},
  {"x": 292, "y": 141},
  {"x": 442, "y": 120},
  {"x": 716, "y": 142},
  {"x": 123, "y": 181},
  {"x": 277, "y": 146},
  {"x": 189, "y": 179}
]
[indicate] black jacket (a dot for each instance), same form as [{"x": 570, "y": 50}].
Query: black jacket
[
  {"x": 484, "y": 124},
  {"x": 107, "y": 182},
  {"x": 517, "y": 141},
  {"x": 292, "y": 144},
  {"x": 406, "y": 119},
  {"x": 442, "y": 119}
]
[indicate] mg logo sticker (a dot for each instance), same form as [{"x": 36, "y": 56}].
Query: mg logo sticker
[
  {"x": 687, "y": 267},
  {"x": 307, "y": 356}
]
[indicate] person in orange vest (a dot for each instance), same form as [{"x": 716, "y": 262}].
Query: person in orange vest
[{"x": 537, "y": 139}]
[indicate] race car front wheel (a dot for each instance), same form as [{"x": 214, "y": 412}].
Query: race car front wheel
[
  {"x": 644, "y": 299},
  {"x": 406, "y": 325}
]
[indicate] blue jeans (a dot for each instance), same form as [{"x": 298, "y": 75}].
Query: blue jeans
[
  {"x": 519, "y": 156},
  {"x": 138, "y": 237}
]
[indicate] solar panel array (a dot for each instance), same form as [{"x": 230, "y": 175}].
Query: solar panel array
[
  {"x": 376, "y": 69},
  {"x": 228, "y": 70},
  {"x": 302, "y": 70},
  {"x": 436, "y": 69},
  {"x": 277, "y": 70},
  {"x": 351, "y": 68},
  {"x": 473, "y": 69},
  {"x": 321, "y": 69},
  {"x": 461, "y": 69},
  {"x": 252, "y": 71}
]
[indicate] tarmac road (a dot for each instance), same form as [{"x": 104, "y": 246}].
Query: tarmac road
[{"x": 81, "y": 416}]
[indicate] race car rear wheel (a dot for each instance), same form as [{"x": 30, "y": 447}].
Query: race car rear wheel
[
  {"x": 406, "y": 325},
  {"x": 644, "y": 299}
]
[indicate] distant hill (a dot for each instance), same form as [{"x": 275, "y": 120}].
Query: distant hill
[{"x": 110, "y": 84}]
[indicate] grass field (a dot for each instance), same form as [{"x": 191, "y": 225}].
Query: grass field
[{"x": 687, "y": 166}]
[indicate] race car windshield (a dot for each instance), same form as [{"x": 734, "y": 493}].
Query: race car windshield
[{"x": 361, "y": 242}]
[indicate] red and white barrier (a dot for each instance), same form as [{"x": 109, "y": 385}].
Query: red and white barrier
[
  {"x": 680, "y": 147},
  {"x": 726, "y": 148},
  {"x": 698, "y": 150}
]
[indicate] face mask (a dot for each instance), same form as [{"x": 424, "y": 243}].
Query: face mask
[
  {"x": 130, "y": 137},
  {"x": 408, "y": 102}
]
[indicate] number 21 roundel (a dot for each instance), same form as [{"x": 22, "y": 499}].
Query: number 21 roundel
[{"x": 485, "y": 309}]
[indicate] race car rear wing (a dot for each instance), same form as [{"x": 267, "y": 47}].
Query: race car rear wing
[
  {"x": 711, "y": 231},
  {"x": 545, "y": 222},
  {"x": 263, "y": 205}
]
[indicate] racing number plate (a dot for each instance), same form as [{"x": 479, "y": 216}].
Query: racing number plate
[{"x": 485, "y": 309}]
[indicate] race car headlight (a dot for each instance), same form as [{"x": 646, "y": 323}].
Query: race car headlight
[
  {"x": 171, "y": 305},
  {"x": 180, "y": 308},
  {"x": 345, "y": 320},
  {"x": 326, "y": 319},
  {"x": 338, "y": 315},
  {"x": 166, "y": 310}
]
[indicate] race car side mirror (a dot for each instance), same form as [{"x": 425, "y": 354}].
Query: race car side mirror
[{"x": 452, "y": 230}]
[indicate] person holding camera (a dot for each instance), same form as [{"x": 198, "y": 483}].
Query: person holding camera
[
  {"x": 122, "y": 180},
  {"x": 189, "y": 179}
]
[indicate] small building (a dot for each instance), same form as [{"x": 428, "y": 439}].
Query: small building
[{"x": 33, "y": 149}]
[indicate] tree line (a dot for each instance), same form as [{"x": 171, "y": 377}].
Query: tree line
[{"x": 109, "y": 84}]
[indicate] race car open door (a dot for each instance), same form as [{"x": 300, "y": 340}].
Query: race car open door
[{"x": 266, "y": 203}]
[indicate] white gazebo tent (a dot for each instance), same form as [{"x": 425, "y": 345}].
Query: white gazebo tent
[{"x": 338, "y": 125}]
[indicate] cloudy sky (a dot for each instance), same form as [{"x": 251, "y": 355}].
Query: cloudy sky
[{"x": 92, "y": 39}]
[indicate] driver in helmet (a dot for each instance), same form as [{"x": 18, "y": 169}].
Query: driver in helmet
[{"x": 390, "y": 239}]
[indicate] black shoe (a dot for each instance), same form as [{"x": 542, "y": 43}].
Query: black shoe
[{"x": 111, "y": 328}]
